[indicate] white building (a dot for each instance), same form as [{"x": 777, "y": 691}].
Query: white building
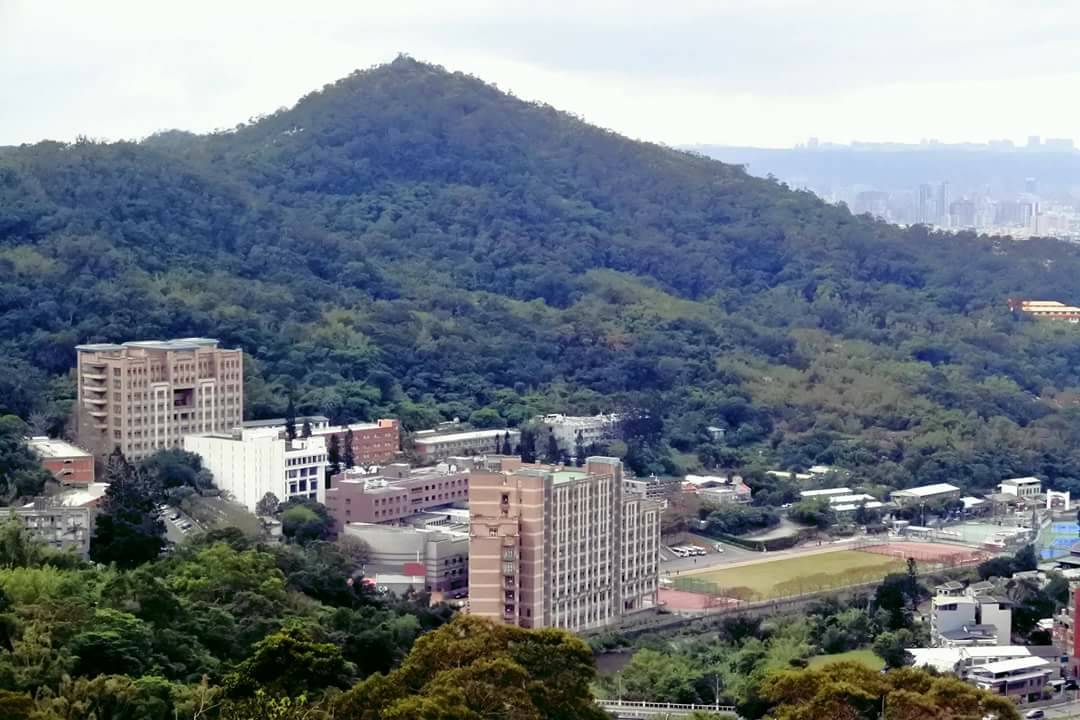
[
  {"x": 959, "y": 659},
  {"x": 432, "y": 446},
  {"x": 925, "y": 493},
  {"x": 594, "y": 429},
  {"x": 826, "y": 492},
  {"x": 950, "y": 612},
  {"x": 1023, "y": 487},
  {"x": 250, "y": 462},
  {"x": 974, "y": 618}
]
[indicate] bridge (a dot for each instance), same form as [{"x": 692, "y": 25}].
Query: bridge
[{"x": 640, "y": 710}]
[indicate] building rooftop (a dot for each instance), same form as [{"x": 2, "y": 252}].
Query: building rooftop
[
  {"x": 50, "y": 447},
  {"x": 970, "y": 502},
  {"x": 462, "y": 436},
  {"x": 849, "y": 507},
  {"x": 1022, "y": 481},
  {"x": 275, "y": 422},
  {"x": 928, "y": 490},
  {"x": 954, "y": 600},
  {"x": 826, "y": 491},
  {"x": 945, "y": 659},
  {"x": 175, "y": 344},
  {"x": 564, "y": 476},
  {"x": 1019, "y": 663}
]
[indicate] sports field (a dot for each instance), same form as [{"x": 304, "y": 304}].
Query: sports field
[{"x": 793, "y": 575}]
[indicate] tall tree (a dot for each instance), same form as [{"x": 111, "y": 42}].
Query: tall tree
[
  {"x": 551, "y": 454},
  {"x": 507, "y": 449},
  {"x": 579, "y": 449},
  {"x": 528, "y": 445},
  {"x": 290, "y": 419},
  {"x": 347, "y": 455},
  {"x": 305, "y": 429},
  {"x": 333, "y": 455},
  {"x": 128, "y": 531},
  {"x": 267, "y": 505}
]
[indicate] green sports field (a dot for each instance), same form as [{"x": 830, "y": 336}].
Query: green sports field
[{"x": 793, "y": 575}]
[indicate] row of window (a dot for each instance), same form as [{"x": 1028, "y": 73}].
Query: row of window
[{"x": 303, "y": 486}]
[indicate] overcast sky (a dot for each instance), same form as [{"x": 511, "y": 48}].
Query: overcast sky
[{"x": 751, "y": 72}]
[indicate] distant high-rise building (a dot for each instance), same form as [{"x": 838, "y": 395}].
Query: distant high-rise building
[
  {"x": 812, "y": 143},
  {"x": 962, "y": 214},
  {"x": 926, "y": 204},
  {"x": 1034, "y": 142},
  {"x": 1031, "y": 186},
  {"x": 944, "y": 199},
  {"x": 146, "y": 396},
  {"x": 1059, "y": 145}
]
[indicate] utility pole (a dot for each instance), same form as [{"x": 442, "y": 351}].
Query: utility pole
[{"x": 716, "y": 692}]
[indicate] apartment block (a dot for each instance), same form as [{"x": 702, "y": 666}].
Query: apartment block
[
  {"x": 250, "y": 462},
  {"x": 146, "y": 396},
  {"x": 432, "y": 446},
  {"x": 1065, "y": 632},
  {"x": 550, "y": 546},
  {"x": 975, "y": 617},
  {"x": 68, "y": 464},
  {"x": 373, "y": 443},
  {"x": 394, "y": 493}
]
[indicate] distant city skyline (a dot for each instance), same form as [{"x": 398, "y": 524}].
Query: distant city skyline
[{"x": 763, "y": 74}]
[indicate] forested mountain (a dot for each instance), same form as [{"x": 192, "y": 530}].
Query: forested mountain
[{"x": 416, "y": 242}]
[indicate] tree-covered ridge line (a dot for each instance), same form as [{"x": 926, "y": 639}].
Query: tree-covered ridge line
[{"x": 409, "y": 242}]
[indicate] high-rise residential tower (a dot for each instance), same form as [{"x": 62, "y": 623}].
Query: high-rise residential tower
[
  {"x": 549, "y": 546},
  {"x": 146, "y": 396}
]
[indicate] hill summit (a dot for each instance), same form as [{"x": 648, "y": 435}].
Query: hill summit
[{"x": 412, "y": 241}]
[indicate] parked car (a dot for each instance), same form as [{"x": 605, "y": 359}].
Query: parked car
[
  {"x": 1036, "y": 714},
  {"x": 175, "y": 516},
  {"x": 185, "y": 526}
]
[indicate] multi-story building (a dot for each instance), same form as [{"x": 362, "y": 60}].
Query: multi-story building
[
  {"x": 975, "y": 617},
  {"x": 1019, "y": 678},
  {"x": 146, "y": 396},
  {"x": 431, "y": 446},
  {"x": 1022, "y": 487},
  {"x": 593, "y": 429},
  {"x": 68, "y": 464},
  {"x": 1065, "y": 632},
  {"x": 249, "y": 463},
  {"x": 439, "y": 555},
  {"x": 373, "y": 443},
  {"x": 64, "y": 527},
  {"x": 1045, "y": 309},
  {"x": 559, "y": 547},
  {"x": 395, "y": 493}
]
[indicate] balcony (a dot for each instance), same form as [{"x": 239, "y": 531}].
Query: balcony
[
  {"x": 93, "y": 375},
  {"x": 97, "y": 413},
  {"x": 96, "y": 400}
]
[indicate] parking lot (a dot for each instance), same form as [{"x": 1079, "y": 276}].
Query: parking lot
[
  {"x": 178, "y": 525},
  {"x": 672, "y": 564}
]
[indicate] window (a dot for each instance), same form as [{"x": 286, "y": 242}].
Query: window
[
  {"x": 493, "y": 532},
  {"x": 508, "y": 568}
]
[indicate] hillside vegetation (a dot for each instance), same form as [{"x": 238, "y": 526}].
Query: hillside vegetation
[{"x": 415, "y": 242}]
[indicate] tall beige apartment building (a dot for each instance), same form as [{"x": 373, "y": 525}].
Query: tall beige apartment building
[
  {"x": 549, "y": 546},
  {"x": 145, "y": 396}
]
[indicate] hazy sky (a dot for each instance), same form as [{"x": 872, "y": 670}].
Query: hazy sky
[{"x": 751, "y": 72}]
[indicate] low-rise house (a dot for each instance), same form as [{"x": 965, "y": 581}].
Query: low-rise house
[
  {"x": 59, "y": 526},
  {"x": 1022, "y": 487}
]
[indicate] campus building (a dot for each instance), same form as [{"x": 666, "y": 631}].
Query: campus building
[
  {"x": 68, "y": 464},
  {"x": 549, "y": 546},
  {"x": 395, "y": 493},
  {"x": 925, "y": 494},
  {"x": 432, "y": 446},
  {"x": 593, "y": 429},
  {"x": 374, "y": 443},
  {"x": 146, "y": 396},
  {"x": 439, "y": 555},
  {"x": 1022, "y": 487},
  {"x": 1065, "y": 632},
  {"x": 63, "y": 527},
  {"x": 248, "y": 463}
]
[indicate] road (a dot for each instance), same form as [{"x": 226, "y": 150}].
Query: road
[{"x": 173, "y": 533}]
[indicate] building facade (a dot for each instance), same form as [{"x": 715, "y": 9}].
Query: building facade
[
  {"x": 59, "y": 526},
  {"x": 68, "y": 464},
  {"x": 440, "y": 556},
  {"x": 1065, "y": 635},
  {"x": 249, "y": 463},
  {"x": 1022, "y": 487},
  {"x": 394, "y": 494},
  {"x": 146, "y": 396},
  {"x": 560, "y": 547},
  {"x": 432, "y": 447},
  {"x": 374, "y": 443},
  {"x": 593, "y": 429},
  {"x": 925, "y": 494}
]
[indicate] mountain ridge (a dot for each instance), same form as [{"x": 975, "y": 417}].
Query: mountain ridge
[{"x": 413, "y": 241}]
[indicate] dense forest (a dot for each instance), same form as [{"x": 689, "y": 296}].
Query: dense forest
[{"x": 414, "y": 242}]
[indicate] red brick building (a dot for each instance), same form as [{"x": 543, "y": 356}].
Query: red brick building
[
  {"x": 68, "y": 464},
  {"x": 396, "y": 493},
  {"x": 374, "y": 443}
]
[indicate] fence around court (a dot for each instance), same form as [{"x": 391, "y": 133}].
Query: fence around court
[{"x": 929, "y": 562}]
